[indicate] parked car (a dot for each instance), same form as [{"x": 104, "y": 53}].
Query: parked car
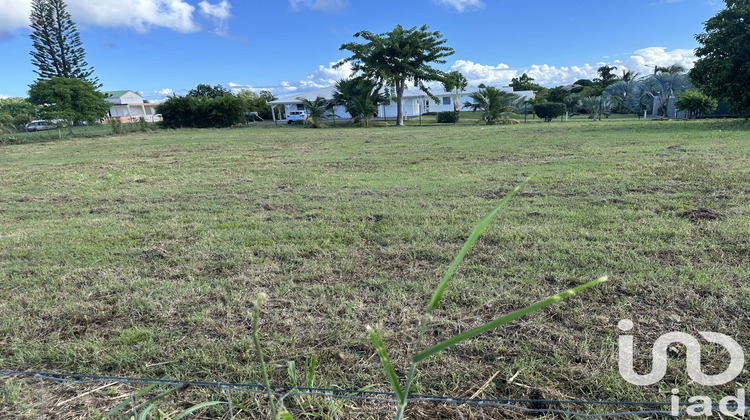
[
  {"x": 41, "y": 125},
  {"x": 296, "y": 117}
]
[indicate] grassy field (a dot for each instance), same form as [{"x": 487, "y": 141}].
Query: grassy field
[{"x": 140, "y": 254}]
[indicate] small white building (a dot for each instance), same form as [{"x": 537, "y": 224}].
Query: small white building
[
  {"x": 128, "y": 106},
  {"x": 416, "y": 102}
]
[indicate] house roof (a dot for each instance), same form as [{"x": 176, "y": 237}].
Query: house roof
[
  {"x": 119, "y": 93},
  {"x": 326, "y": 92}
]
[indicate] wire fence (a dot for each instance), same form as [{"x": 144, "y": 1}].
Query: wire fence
[{"x": 49, "y": 400}]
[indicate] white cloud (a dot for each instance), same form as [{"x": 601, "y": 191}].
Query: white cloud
[
  {"x": 321, "y": 77},
  {"x": 477, "y": 73},
  {"x": 641, "y": 61},
  {"x": 141, "y": 15},
  {"x": 320, "y": 5},
  {"x": 4, "y": 96},
  {"x": 15, "y": 14},
  {"x": 461, "y": 5},
  {"x": 164, "y": 92},
  {"x": 644, "y": 60},
  {"x": 218, "y": 13}
]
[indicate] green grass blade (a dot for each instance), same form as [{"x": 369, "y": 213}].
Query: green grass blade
[
  {"x": 241, "y": 407},
  {"x": 478, "y": 229},
  {"x": 162, "y": 395},
  {"x": 386, "y": 362},
  {"x": 291, "y": 369},
  {"x": 144, "y": 413},
  {"x": 197, "y": 407},
  {"x": 311, "y": 366},
  {"x": 122, "y": 405},
  {"x": 286, "y": 416},
  {"x": 500, "y": 321}
]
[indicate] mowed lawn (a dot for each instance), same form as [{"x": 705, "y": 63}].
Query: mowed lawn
[{"x": 142, "y": 254}]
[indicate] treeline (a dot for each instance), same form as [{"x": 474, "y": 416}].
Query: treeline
[
  {"x": 628, "y": 93},
  {"x": 213, "y": 107}
]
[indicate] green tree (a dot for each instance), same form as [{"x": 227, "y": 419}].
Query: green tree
[
  {"x": 572, "y": 102},
  {"x": 493, "y": 102},
  {"x": 257, "y": 102},
  {"x": 456, "y": 83},
  {"x": 724, "y": 57},
  {"x": 208, "y": 91},
  {"x": 203, "y": 112},
  {"x": 606, "y": 76},
  {"x": 17, "y": 112},
  {"x": 695, "y": 103},
  {"x": 68, "y": 99},
  {"x": 397, "y": 57},
  {"x": 6, "y": 124},
  {"x": 663, "y": 85},
  {"x": 317, "y": 109},
  {"x": 558, "y": 94},
  {"x": 360, "y": 98},
  {"x": 621, "y": 91},
  {"x": 629, "y": 75},
  {"x": 674, "y": 68},
  {"x": 549, "y": 111},
  {"x": 524, "y": 82},
  {"x": 595, "y": 106},
  {"x": 57, "y": 47}
]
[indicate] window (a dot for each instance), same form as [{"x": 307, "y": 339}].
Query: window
[
  {"x": 300, "y": 107},
  {"x": 446, "y": 100}
]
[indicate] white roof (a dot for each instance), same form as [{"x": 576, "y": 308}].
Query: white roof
[{"x": 326, "y": 92}]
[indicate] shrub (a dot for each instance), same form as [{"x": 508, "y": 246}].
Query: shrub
[
  {"x": 116, "y": 126},
  {"x": 142, "y": 125},
  {"x": 204, "y": 112},
  {"x": 450, "y": 117},
  {"x": 695, "y": 103},
  {"x": 549, "y": 111}
]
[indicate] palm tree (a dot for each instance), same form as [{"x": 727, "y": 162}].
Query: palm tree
[
  {"x": 621, "y": 91},
  {"x": 638, "y": 100},
  {"x": 343, "y": 91},
  {"x": 661, "y": 86},
  {"x": 597, "y": 105},
  {"x": 456, "y": 83},
  {"x": 629, "y": 75},
  {"x": 494, "y": 103},
  {"x": 316, "y": 109},
  {"x": 674, "y": 68},
  {"x": 359, "y": 97}
]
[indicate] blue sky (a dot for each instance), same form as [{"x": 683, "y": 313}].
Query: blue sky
[{"x": 160, "y": 47}]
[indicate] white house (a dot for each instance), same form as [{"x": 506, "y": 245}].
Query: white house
[
  {"x": 128, "y": 106},
  {"x": 416, "y": 102}
]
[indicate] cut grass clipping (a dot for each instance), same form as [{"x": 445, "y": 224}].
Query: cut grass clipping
[{"x": 402, "y": 393}]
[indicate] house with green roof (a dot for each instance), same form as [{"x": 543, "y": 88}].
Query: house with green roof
[{"x": 129, "y": 106}]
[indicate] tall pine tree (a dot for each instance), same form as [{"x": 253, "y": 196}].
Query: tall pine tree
[{"x": 58, "y": 50}]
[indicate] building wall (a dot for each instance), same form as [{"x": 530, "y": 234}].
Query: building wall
[{"x": 131, "y": 98}]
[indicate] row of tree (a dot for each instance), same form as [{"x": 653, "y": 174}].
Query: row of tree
[
  {"x": 627, "y": 93},
  {"x": 67, "y": 89},
  {"x": 214, "y": 106}
]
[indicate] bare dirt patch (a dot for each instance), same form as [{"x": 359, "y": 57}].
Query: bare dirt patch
[{"x": 702, "y": 213}]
